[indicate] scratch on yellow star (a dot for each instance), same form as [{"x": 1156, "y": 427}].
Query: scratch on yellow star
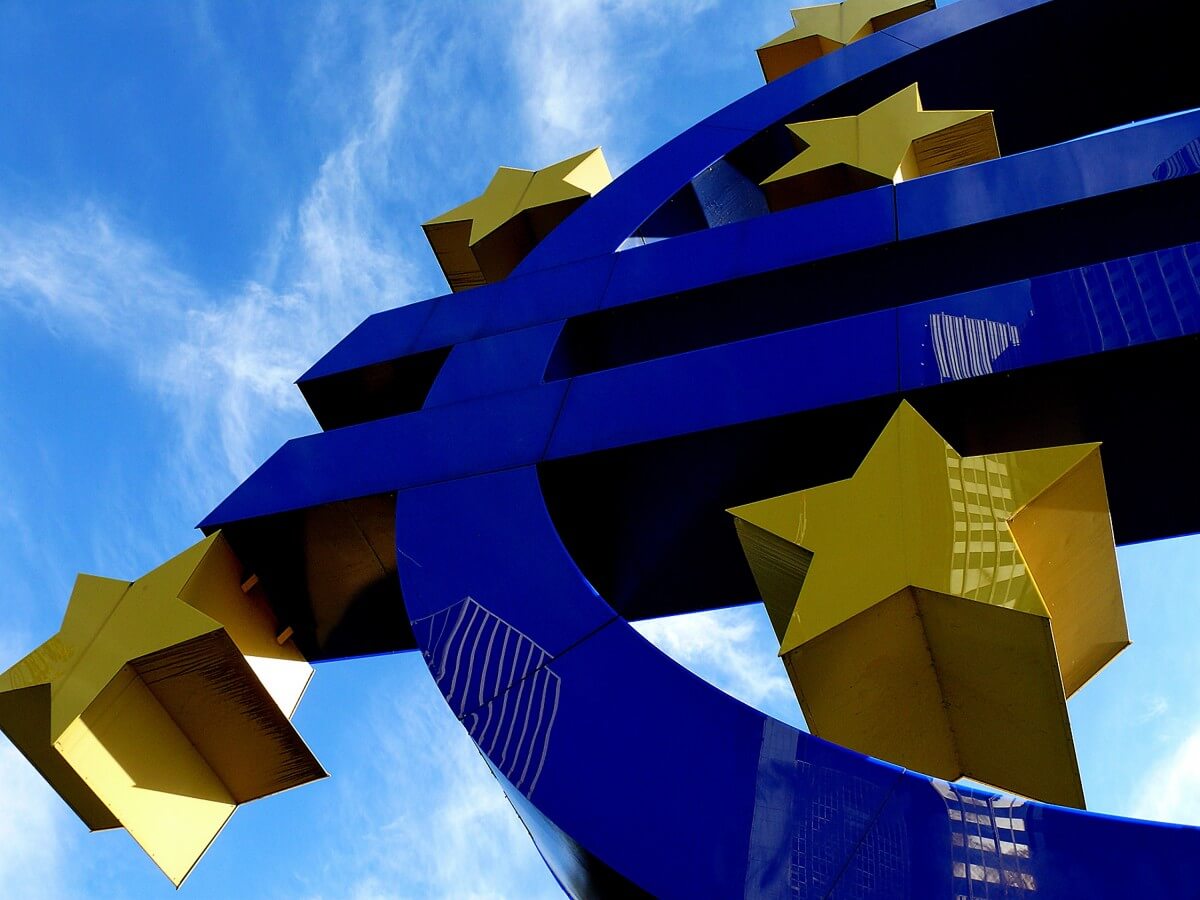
[
  {"x": 161, "y": 704},
  {"x": 943, "y": 607},
  {"x": 483, "y": 239},
  {"x": 817, "y": 30}
]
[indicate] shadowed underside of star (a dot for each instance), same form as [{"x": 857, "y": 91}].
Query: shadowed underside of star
[
  {"x": 818, "y": 30},
  {"x": 937, "y": 610},
  {"x": 162, "y": 704}
]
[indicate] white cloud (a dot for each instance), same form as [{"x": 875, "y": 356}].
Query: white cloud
[
  {"x": 81, "y": 270},
  {"x": 1170, "y": 790},
  {"x": 734, "y": 649},
  {"x": 225, "y": 361},
  {"x": 1155, "y": 708},
  {"x": 30, "y": 834},
  {"x": 424, "y": 814},
  {"x": 33, "y": 836},
  {"x": 577, "y": 59}
]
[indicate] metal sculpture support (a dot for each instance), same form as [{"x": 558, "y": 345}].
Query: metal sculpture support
[{"x": 511, "y": 474}]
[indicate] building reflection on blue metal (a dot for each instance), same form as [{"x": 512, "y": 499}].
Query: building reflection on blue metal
[{"x": 1106, "y": 306}]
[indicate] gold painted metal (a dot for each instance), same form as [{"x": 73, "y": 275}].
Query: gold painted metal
[
  {"x": 937, "y": 610},
  {"x": 895, "y": 140},
  {"x": 483, "y": 240},
  {"x": 817, "y": 30},
  {"x": 163, "y": 704}
]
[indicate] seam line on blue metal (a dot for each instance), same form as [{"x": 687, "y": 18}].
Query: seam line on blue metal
[
  {"x": 865, "y": 832},
  {"x": 557, "y": 416},
  {"x": 550, "y": 661}
]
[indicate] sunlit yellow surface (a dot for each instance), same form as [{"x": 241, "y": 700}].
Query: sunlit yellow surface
[
  {"x": 894, "y": 140},
  {"x": 817, "y": 30},
  {"x": 483, "y": 240},
  {"x": 936, "y": 610},
  {"x": 162, "y": 704}
]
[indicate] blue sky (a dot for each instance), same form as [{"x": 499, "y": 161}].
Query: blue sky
[{"x": 196, "y": 201}]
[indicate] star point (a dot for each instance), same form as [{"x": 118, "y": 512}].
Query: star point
[
  {"x": 482, "y": 241},
  {"x": 895, "y": 140},
  {"x": 933, "y": 604},
  {"x": 162, "y": 704},
  {"x": 818, "y": 30}
]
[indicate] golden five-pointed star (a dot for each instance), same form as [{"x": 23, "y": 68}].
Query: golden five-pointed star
[
  {"x": 484, "y": 239},
  {"x": 936, "y": 610},
  {"x": 162, "y": 704},
  {"x": 817, "y": 30},
  {"x": 895, "y": 140}
]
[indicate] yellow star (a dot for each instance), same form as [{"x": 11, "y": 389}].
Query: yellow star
[
  {"x": 936, "y": 610},
  {"x": 162, "y": 704},
  {"x": 817, "y": 30},
  {"x": 894, "y": 140},
  {"x": 483, "y": 240}
]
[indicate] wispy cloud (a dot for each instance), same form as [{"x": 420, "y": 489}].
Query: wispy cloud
[
  {"x": 578, "y": 59},
  {"x": 1169, "y": 790},
  {"x": 426, "y": 816},
  {"x": 411, "y": 134},
  {"x": 32, "y": 841},
  {"x": 733, "y": 649},
  {"x": 225, "y": 360},
  {"x": 1156, "y": 707}
]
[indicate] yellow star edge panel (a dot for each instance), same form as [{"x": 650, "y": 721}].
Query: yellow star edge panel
[
  {"x": 818, "y": 30},
  {"x": 937, "y": 610},
  {"x": 163, "y": 704},
  {"x": 483, "y": 240},
  {"x": 895, "y": 140}
]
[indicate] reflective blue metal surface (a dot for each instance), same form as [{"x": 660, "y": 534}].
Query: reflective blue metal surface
[
  {"x": 1086, "y": 168},
  {"x": 687, "y": 792},
  {"x": 570, "y": 470},
  {"x": 1091, "y": 309}
]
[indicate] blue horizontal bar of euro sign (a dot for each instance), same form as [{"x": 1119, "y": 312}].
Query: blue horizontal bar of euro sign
[
  {"x": 493, "y": 365},
  {"x": 377, "y": 457},
  {"x": 789, "y": 238},
  {"x": 1090, "y": 309},
  {"x": 1038, "y": 179},
  {"x": 805, "y": 368},
  {"x": 1041, "y": 179},
  {"x": 517, "y": 302},
  {"x": 380, "y": 337}
]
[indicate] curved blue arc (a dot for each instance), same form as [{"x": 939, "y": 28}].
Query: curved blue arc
[
  {"x": 620, "y": 760},
  {"x": 683, "y": 790},
  {"x": 601, "y": 225}
]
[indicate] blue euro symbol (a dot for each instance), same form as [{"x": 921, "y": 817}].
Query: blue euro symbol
[{"x": 509, "y": 475}]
